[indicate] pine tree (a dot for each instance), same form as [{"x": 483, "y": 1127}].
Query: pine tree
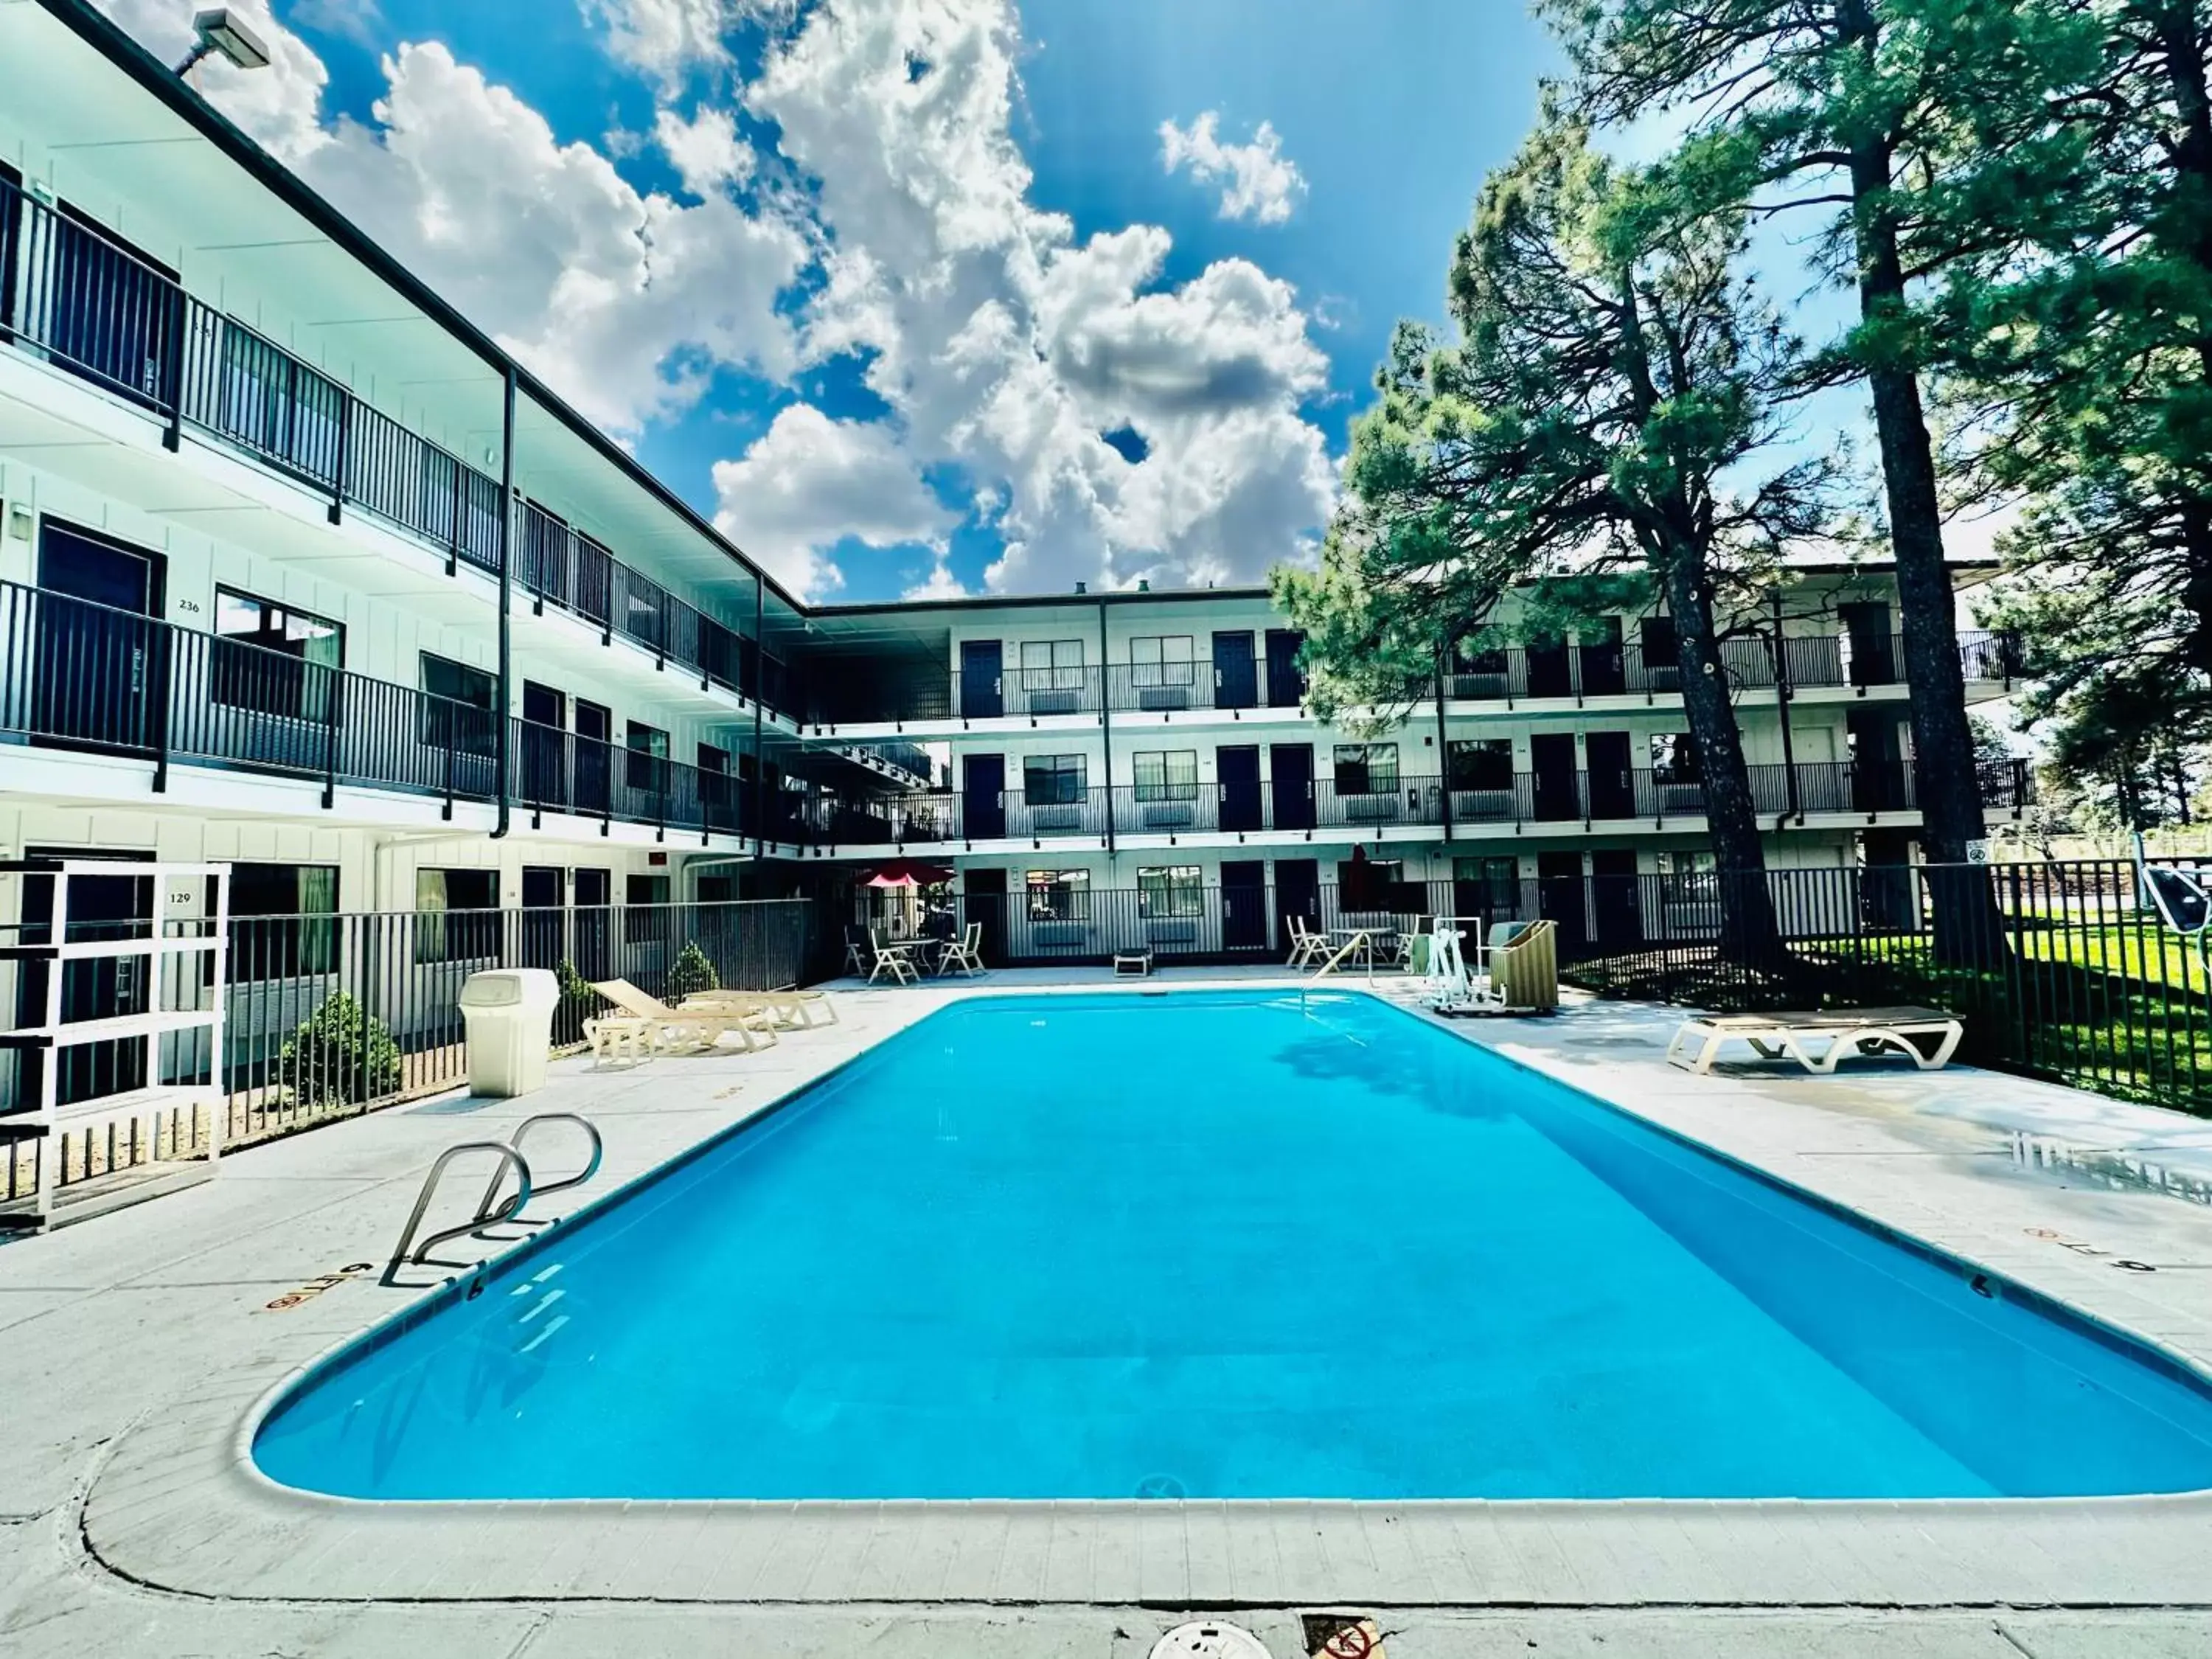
[
  {"x": 1597, "y": 423},
  {"x": 1921, "y": 131},
  {"x": 2086, "y": 377}
]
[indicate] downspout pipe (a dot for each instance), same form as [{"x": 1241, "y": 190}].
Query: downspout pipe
[
  {"x": 1443, "y": 750},
  {"x": 503, "y": 734},
  {"x": 760, "y": 698},
  {"x": 1106, "y": 726},
  {"x": 1794, "y": 808}
]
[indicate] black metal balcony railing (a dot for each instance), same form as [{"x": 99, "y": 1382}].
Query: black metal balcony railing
[
  {"x": 1510, "y": 675},
  {"x": 557, "y": 771},
  {"x": 92, "y": 307},
  {"x": 1520, "y": 673},
  {"x": 1585, "y": 799},
  {"x": 558, "y": 564},
  {"x": 79, "y": 675}
]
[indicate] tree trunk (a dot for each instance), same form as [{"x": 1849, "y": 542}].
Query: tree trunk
[
  {"x": 2174, "y": 28},
  {"x": 1946, "y": 781},
  {"x": 1943, "y": 739},
  {"x": 1749, "y": 934}
]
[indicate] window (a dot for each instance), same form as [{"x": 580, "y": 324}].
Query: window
[
  {"x": 649, "y": 748},
  {"x": 1480, "y": 763},
  {"x": 1687, "y": 877},
  {"x": 1661, "y": 652},
  {"x": 1366, "y": 768},
  {"x": 1673, "y": 759},
  {"x": 274, "y": 660},
  {"x": 1052, "y": 780},
  {"x": 281, "y": 916},
  {"x": 457, "y": 914},
  {"x": 1161, "y": 660},
  {"x": 460, "y": 709},
  {"x": 1175, "y": 890},
  {"x": 1169, "y": 775},
  {"x": 1056, "y": 664},
  {"x": 1490, "y": 886},
  {"x": 1059, "y": 894},
  {"x": 642, "y": 923}
]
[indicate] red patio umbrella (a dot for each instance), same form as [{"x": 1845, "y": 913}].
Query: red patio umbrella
[{"x": 905, "y": 872}]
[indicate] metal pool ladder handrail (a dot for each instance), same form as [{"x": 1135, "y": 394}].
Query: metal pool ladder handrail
[
  {"x": 514, "y": 1142},
  {"x": 1360, "y": 940},
  {"x": 499, "y": 1149}
]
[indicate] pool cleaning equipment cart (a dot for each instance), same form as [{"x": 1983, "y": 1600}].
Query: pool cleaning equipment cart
[
  {"x": 1518, "y": 971},
  {"x": 156, "y": 979}
]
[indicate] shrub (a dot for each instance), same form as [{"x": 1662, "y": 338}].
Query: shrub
[
  {"x": 342, "y": 1055},
  {"x": 579, "y": 1002},
  {"x": 692, "y": 973}
]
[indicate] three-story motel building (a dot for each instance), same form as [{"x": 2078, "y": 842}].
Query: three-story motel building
[{"x": 301, "y": 570}]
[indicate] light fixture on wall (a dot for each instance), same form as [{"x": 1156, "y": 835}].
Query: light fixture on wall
[
  {"x": 218, "y": 33},
  {"x": 19, "y": 521}
]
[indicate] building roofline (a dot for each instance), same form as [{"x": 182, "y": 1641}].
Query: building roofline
[
  {"x": 108, "y": 37},
  {"x": 1005, "y": 601}
]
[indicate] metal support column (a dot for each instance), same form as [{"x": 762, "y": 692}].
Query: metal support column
[
  {"x": 503, "y": 731},
  {"x": 1795, "y": 807}
]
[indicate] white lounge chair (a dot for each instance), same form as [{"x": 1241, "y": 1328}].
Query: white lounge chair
[
  {"x": 896, "y": 960},
  {"x": 1307, "y": 946},
  {"x": 646, "y": 1025},
  {"x": 963, "y": 954},
  {"x": 792, "y": 1009},
  {"x": 1817, "y": 1039}
]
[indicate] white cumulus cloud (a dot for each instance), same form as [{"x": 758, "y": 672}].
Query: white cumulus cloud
[
  {"x": 810, "y": 482},
  {"x": 898, "y": 203},
  {"x": 707, "y": 151},
  {"x": 1257, "y": 180},
  {"x": 1006, "y": 347},
  {"x": 666, "y": 37}
]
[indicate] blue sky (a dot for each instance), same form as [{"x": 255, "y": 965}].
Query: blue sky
[{"x": 885, "y": 359}]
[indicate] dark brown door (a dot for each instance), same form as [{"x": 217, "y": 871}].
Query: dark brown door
[
  {"x": 1552, "y": 762},
  {"x": 1291, "y": 782},
  {"x": 1611, "y": 784}
]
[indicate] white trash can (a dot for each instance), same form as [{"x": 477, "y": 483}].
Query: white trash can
[{"x": 509, "y": 1014}]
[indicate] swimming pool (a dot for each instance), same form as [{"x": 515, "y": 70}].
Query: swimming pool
[{"x": 1112, "y": 1246}]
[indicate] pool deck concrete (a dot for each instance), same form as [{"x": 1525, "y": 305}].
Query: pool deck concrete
[{"x": 134, "y": 1348}]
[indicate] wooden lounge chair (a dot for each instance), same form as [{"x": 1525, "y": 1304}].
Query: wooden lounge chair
[
  {"x": 791, "y": 1008},
  {"x": 648, "y": 1025},
  {"x": 1817, "y": 1039}
]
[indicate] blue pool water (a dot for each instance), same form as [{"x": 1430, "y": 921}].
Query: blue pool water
[{"x": 1111, "y": 1246}]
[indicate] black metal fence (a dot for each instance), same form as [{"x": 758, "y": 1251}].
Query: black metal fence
[
  {"x": 2060, "y": 971},
  {"x": 330, "y": 1016}
]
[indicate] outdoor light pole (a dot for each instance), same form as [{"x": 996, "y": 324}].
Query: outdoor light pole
[{"x": 217, "y": 33}]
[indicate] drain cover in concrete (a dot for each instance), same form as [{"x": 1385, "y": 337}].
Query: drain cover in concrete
[{"x": 1209, "y": 1639}]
